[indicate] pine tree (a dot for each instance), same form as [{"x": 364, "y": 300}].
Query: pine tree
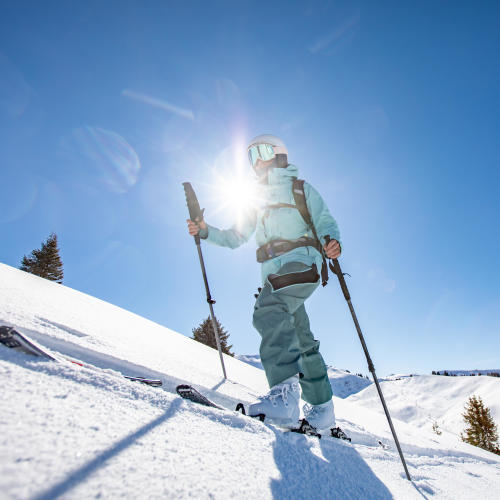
[
  {"x": 482, "y": 430},
  {"x": 205, "y": 334},
  {"x": 46, "y": 261}
]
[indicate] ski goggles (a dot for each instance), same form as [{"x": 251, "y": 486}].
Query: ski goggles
[{"x": 264, "y": 152}]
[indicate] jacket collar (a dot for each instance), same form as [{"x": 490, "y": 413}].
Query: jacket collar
[{"x": 282, "y": 175}]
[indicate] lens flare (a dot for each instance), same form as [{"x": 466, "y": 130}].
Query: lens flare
[{"x": 102, "y": 155}]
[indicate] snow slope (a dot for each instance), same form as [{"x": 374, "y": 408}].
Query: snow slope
[
  {"x": 424, "y": 399},
  {"x": 107, "y": 336},
  {"x": 344, "y": 383},
  {"x": 80, "y": 432}
]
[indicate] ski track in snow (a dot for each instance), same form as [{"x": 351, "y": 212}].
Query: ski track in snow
[{"x": 80, "y": 432}]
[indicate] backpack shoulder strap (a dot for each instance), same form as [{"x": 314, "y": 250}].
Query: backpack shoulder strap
[{"x": 299, "y": 196}]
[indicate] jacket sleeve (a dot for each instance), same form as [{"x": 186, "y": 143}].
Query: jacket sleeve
[
  {"x": 238, "y": 234},
  {"x": 323, "y": 222}
]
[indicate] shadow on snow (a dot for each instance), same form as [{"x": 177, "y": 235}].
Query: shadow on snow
[
  {"x": 332, "y": 470},
  {"x": 82, "y": 473}
]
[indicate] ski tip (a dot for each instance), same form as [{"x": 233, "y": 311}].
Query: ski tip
[{"x": 182, "y": 389}]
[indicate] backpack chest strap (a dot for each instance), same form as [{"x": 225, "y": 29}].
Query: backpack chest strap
[{"x": 278, "y": 205}]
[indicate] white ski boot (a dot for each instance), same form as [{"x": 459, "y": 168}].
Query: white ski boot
[
  {"x": 281, "y": 404},
  {"x": 320, "y": 416}
]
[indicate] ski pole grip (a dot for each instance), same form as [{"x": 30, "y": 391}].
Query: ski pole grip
[
  {"x": 192, "y": 202},
  {"x": 335, "y": 267}
]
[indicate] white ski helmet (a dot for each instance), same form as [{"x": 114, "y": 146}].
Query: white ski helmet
[
  {"x": 277, "y": 143},
  {"x": 266, "y": 147}
]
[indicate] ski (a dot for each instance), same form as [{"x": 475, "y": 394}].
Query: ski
[
  {"x": 143, "y": 380},
  {"x": 190, "y": 393},
  {"x": 13, "y": 339},
  {"x": 17, "y": 341}
]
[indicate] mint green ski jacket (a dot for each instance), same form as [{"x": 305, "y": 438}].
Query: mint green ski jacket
[{"x": 279, "y": 223}]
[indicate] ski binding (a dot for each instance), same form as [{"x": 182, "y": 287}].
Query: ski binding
[{"x": 338, "y": 433}]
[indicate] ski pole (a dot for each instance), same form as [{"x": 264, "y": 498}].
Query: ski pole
[
  {"x": 195, "y": 213},
  {"x": 335, "y": 267}
]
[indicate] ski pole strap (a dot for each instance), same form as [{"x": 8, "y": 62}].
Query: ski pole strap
[
  {"x": 276, "y": 248},
  {"x": 335, "y": 267}
]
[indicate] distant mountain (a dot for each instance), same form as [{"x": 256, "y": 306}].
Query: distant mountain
[{"x": 470, "y": 373}]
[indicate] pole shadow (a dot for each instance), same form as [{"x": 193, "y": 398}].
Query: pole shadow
[{"x": 82, "y": 473}]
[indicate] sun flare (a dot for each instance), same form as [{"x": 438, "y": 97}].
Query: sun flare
[
  {"x": 240, "y": 194},
  {"x": 234, "y": 189}
]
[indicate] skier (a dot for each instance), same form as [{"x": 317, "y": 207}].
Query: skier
[{"x": 291, "y": 255}]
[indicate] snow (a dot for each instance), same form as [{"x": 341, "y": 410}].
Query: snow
[
  {"x": 251, "y": 359},
  {"x": 344, "y": 383},
  {"x": 424, "y": 399},
  {"x": 78, "y": 432}
]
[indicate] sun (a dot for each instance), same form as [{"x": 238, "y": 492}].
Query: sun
[
  {"x": 236, "y": 194},
  {"x": 239, "y": 193},
  {"x": 234, "y": 188}
]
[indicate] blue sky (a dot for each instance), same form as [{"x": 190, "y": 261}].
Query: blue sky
[{"x": 390, "y": 109}]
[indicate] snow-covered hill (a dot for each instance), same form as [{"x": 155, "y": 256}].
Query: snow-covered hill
[
  {"x": 251, "y": 359},
  {"x": 80, "y": 432},
  {"x": 345, "y": 383},
  {"x": 422, "y": 400}
]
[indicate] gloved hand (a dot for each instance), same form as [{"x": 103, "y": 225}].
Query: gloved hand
[
  {"x": 332, "y": 249},
  {"x": 195, "y": 226}
]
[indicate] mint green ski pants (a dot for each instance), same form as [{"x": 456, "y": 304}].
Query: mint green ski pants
[{"x": 288, "y": 347}]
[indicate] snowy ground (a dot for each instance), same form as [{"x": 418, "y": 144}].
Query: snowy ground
[{"x": 80, "y": 432}]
